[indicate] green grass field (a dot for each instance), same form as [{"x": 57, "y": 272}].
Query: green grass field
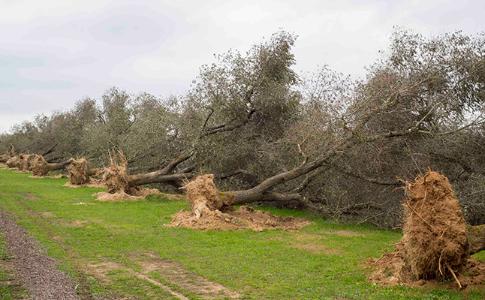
[{"x": 104, "y": 245}]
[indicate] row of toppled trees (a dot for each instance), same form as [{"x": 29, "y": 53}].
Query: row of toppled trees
[
  {"x": 437, "y": 242},
  {"x": 115, "y": 176},
  {"x": 78, "y": 170},
  {"x": 210, "y": 209}
]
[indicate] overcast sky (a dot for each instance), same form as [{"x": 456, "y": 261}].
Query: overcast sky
[{"x": 53, "y": 53}]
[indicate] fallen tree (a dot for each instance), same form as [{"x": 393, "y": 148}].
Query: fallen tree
[
  {"x": 9, "y": 154},
  {"x": 80, "y": 172},
  {"x": 209, "y": 212},
  {"x": 436, "y": 243},
  {"x": 40, "y": 167},
  {"x": 117, "y": 179},
  {"x": 352, "y": 138}
]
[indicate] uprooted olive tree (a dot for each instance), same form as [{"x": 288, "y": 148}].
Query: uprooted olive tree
[
  {"x": 413, "y": 98},
  {"x": 118, "y": 180},
  {"x": 9, "y": 154},
  {"x": 40, "y": 167},
  {"x": 80, "y": 172},
  {"x": 219, "y": 106},
  {"x": 209, "y": 211},
  {"x": 323, "y": 141},
  {"x": 436, "y": 243}
]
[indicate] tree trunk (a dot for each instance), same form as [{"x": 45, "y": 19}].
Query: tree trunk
[
  {"x": 163, "y": 175},
  {"x": 59, "y": 165},
  {"x": 156, "y": 177}
]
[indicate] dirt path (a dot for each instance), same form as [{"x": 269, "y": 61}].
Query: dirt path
[{"x": 37, "y": 272}]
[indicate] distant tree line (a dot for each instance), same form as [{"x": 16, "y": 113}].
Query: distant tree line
[{"x": 324, "y": 141}]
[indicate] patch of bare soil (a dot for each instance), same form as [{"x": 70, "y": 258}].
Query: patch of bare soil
[
  {"x": 243, "y": 218},
  {"x": 177, "y": 274},
  {"x": 346, "y": 233},
  {"x": 76, "y": 224},
  {"x": 309, "y": 243},
  {"x": 46, "y": 214},
  {"x": 434, "y": 246},
  {"x": 171, "y": 272},
  {"x": 135, "y": 195},
  {"x": 29, "y": 196},
  {"x": 34, "y": 269}
]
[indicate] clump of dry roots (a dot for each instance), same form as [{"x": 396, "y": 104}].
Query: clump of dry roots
[
  {"x": 210, "y": 212},
  {"x": 9, "y": 154},
  {"x": 78, "y": 171},
  {"x": 39, "y": 166},
  {"x": 25, "y": 162},
  {"x": 115, "y": 176},
  {"x": 13, "y": 162},
  {"x": 116, "y": 179},
  {"x": 434, "y": 245}
]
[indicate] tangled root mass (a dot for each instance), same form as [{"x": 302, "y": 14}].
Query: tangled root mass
[
  {"x": 39, "y": 166},
  {"x": 434, "y": 244},
  {"x": 78, "y": 171},
  {"x": 210, "y": 212}
]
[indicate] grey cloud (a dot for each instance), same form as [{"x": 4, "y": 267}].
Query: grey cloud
[{"x": 54, "y": 53}]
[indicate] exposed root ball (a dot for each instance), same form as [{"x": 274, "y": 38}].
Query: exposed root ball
[
  {"x": 13, "y": 162},
  {"x": 115, "y": 176},
  {"x": 435, "y": 240},
  {"x": 78, "y": 172},
  {"x": 203, "y": 195},
  {"x": 206, "y": 211},
  {"x": 4, "y": 158},
  {"x": 434, "y": 245},
  {"x": 39, "y": 166},
  {"x": 25, "y": 160}
]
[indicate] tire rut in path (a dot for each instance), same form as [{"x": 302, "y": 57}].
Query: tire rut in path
[{"x": 37, "y": 272}]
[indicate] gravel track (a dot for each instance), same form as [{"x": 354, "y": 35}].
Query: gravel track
[{"x": 36, "y": 271}]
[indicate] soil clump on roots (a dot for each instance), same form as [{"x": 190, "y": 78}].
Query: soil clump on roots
[
  {"x": 434, "y": 246},
  {"x": 39, "y": 166},
  {"x": 13, "y": 162},
  {"x": 209, "y": 211},
  {"x": 25, "y": 160},
  {"x": 116, "y": 179},
  {"x": 80, "y": 173}
]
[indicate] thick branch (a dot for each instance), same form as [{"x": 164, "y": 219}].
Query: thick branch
[
  {"x": 365, "y": 178},
  {"x": 174, "y": 163},
  {"x": 156, "y": 177},
  {"x": 228, "y": 127},
  {"x": 50, "y": 150}
]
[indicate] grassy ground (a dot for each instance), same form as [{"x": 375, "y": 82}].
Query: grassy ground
[
  {"x": 103, "y": 244},
  {"x": 8, "y": 289}
]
